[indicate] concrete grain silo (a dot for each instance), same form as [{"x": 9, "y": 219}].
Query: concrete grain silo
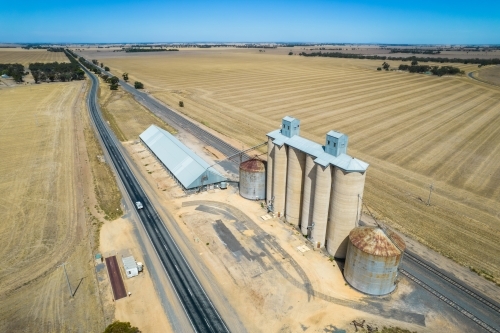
[
  {"x": 322, "y": 189},
  {"x": 345, "y": 209},
  {"x": 372, "y": 260},
  {"x": 280, "y": 162},
  {"x": 308, "y": 194},
  {"x": 269, "y": 171},
  {"x": 253, "y": 179},
  {"x": 294, "y": 185}
]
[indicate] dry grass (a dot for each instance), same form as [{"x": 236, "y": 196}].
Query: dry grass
[
  {"x": 106, "y": 189},
  {"x": 125, "y": 115},
  {"x": 413, "y": 129},
  {"x": 42, "y": 224},
  {"x": 25, "y": 57}
]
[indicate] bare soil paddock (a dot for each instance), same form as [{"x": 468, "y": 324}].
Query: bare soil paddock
[{"x": 413, "y": 129}]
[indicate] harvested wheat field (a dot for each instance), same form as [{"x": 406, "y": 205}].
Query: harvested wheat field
[
  {"x": 491, "y": 74},
  {"x": 42, "y": 215},
  {"x": 413, "y": 129},
  {"x": 25, "y": 57}
]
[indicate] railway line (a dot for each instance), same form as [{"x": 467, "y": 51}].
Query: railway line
[
  {"x": 454, "y": 283},
  {"x": 448, "y": 301},
  {"x": 180, "y": 122}
]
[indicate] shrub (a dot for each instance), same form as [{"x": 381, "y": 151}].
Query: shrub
[
  {"x": 181, "y": 104},
  {"x": 138, "y": 85},
  {"x": 121, "y": 327}
]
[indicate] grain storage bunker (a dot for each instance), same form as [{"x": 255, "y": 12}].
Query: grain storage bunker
[
  {"x": 253, "y": 179},
  {"x": 373, "y": 258}
]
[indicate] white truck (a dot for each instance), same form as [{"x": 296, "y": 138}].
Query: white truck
[{"x": 139, "y": 205}]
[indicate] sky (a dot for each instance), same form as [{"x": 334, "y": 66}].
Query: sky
[{"x": 363, "y": 21}]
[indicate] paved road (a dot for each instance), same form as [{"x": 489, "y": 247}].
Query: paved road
[{"x": 198, "y": 307}]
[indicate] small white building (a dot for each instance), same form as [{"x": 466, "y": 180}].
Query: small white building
[{"x": 130, "y": 266}]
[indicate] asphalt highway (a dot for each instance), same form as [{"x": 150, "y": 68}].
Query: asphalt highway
[{"x": 197, "y": 305}]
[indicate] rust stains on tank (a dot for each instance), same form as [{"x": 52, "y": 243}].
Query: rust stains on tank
[
  {"x": 373, "y": 240},
  {"x": 253, "y": 165}
]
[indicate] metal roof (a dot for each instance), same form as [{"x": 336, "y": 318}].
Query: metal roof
[
  {"x": 129, "y": 263},
  {"x": 288, "y": 118},
  {"x": 335, "y": 134},
  {"x": 373, "y": 240},
  {"x": 343, "y": 161},
  {"x": 187, "y": 167}
]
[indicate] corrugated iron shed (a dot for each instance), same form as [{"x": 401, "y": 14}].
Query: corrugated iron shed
[
  {"x": 129, "y": 263},
  {"x": 343, "y": 161},
  {"x": 187, "y": 167}
]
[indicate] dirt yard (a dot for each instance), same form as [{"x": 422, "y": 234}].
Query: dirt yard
[
  {"x": 44, "y": 222},
  {"x": 143, "y": 308},
  {"x": 414, "y": 130},
  {"x": 25, "y": 57},
  {"x": 270, "y": 280}
]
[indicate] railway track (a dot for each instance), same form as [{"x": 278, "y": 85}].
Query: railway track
[
  {"x": 446, "y": 300},
  {"x": 454, "y": 283}
]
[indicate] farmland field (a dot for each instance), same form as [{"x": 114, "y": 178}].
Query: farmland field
[
  {"x": 490, "y": 74},
  {"x": 42, "y": 216},
  {"x": 25, "y": 57},
  {"x": 413, "y": 129}
]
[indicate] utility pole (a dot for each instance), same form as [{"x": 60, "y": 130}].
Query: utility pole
[
  {"x": 67, "y": 279},
  {"x": 431, "y": 188}
]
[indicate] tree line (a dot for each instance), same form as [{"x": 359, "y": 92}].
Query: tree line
[
  {"x": 56, "y": 72},
  {"x": 16, "y": 71},
  {"x": 481, "y": 62},
  {"x": 434, "y": 70},
  {"x": 147, "y": 50},
  {"x": 415, "y": 51}
]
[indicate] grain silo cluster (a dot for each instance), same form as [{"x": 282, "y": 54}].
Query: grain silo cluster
[{"x": 317, "y": 188}]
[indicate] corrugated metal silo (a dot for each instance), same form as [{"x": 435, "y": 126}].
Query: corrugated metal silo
[
  {"x": 345, "y": 209},
  {"x": 279, "y": 178},
  {"x": 372, "y": 260},
  {"x": 294, "y": 185},
  {"x": 322, "y": 189},
  {"x": 308, "y": 195},
  {"x": 269, "y": 171},
  {"x": 253, "y": 179}
]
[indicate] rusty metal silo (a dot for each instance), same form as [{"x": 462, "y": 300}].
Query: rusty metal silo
[
  {"x": 372, "y": 260},
  {"x": 253, "y": 179}
]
